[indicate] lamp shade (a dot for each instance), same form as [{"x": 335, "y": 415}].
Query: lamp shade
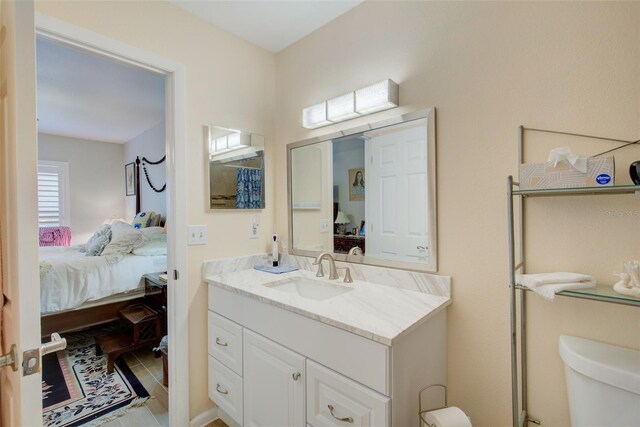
[{"x": 341, "y": 218}]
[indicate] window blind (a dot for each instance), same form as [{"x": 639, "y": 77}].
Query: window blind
[{"x": 52, "y": 194}]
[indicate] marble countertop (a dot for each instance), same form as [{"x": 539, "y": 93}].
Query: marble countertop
[{"x": 377, "y": 312}]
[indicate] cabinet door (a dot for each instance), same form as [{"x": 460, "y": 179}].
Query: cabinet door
[{"x": 274, "y": 384}]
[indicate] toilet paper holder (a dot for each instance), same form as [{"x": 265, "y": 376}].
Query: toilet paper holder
[{"x": 421, "y": 411}]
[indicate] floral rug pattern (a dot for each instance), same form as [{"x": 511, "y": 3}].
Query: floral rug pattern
[{"x": 77, "y": 390}]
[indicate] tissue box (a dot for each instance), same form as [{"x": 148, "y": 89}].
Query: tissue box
[{"x": 600, "y": 173}]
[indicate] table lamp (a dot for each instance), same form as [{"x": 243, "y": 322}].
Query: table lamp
[{"x": 341, "y": 220}]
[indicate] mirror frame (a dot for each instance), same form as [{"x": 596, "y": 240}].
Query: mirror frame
[{"x": 432, "y": 265}]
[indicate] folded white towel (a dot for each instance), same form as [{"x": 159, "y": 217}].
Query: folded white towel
[{"x": 549, "y": 284}]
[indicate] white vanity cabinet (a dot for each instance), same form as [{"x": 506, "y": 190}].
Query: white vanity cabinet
[{"x": 294, "y": 370}]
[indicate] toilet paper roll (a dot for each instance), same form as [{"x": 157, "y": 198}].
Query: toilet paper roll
[{"x": 447, "y": 417}]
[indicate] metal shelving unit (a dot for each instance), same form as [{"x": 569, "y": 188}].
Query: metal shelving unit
[{"x": 601, "y": 293}]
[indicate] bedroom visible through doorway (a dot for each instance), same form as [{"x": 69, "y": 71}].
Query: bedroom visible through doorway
[{"x": 102, "y": 216}]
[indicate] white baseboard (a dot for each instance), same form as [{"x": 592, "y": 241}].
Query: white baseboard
[{"x": 204, "y": 418}]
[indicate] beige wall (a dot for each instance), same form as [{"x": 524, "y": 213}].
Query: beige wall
[
  {"x": 488, "y": 68},
  {"x": 96, "y": 180},
  {"x": 229, "y": 83}
]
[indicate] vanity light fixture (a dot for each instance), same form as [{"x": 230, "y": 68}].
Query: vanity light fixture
[
  {"x": 315, "y": 116},
  {"x": 342, "y": 108},
  {"x": 232, "y": 141},
  {"x": 380, "y": 96},
  {"x": 377, "y": 97}
]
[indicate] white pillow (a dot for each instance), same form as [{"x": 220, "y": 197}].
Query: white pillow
[
  {"x": 124, "y": 239},
  {"x": 152, "y": 248},
  {"x": 149, "y": 231}
]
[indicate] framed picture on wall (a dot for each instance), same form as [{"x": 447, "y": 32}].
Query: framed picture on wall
[
  {"x": 130, "y": 179},
  {"x": 356, "y": 184}
]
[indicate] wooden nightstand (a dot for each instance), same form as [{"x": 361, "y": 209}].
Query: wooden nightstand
[{"x": 155, "y": 295}]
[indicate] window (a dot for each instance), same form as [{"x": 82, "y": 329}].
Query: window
[{"x": 53, "y": 193}]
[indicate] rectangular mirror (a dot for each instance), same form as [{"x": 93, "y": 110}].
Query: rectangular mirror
[
  {"x": 236, "y": 169},
  {"x": 372, "y": 188}
]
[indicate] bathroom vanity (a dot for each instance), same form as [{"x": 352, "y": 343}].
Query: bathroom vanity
[{"x": 296, "y": 350}]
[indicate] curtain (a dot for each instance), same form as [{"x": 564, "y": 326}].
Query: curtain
[{"x": 248, "y": 188}]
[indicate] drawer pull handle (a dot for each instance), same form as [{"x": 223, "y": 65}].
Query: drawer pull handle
[
  {"x": 344, "y": 419},
  {"x": 220, "y": 342},
  {"x": 296, "y": 376},
  {"x": 221, "y": 390}
]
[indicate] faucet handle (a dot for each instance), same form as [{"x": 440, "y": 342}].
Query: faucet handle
[{"x": 347, "y": 274}]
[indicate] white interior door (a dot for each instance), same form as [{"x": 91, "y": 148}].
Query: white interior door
[
  {"x": 396, "y": 193},
  {"x": 21, "y": 395}
]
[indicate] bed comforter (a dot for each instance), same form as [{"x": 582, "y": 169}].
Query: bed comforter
[{"x": 69, "y": 279}]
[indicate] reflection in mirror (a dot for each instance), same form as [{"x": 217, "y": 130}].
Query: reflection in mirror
[
  {"x": 373, "y": 190},
  {"x": 236, "y": 169}
]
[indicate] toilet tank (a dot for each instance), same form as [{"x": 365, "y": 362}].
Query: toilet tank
[{"x": 603, "y": 383}]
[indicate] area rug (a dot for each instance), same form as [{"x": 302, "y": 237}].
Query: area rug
[{"x": 76, "y": 389}]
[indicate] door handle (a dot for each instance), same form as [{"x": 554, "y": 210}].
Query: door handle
[{"x": 10, "y": 359}]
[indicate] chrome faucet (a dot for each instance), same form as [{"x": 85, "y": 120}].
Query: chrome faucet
[
  {"x": 333, "y": 272},
  {"x": 356, "y": 250}
]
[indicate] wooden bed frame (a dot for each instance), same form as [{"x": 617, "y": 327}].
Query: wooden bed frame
[{"x": 85, "y": 318}]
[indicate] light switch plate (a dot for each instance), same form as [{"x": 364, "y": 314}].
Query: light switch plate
[
  {"x": 325, "y": 225},
  {"x": 197, "y": 235}
]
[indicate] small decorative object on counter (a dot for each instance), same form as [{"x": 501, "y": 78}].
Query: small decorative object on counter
[
  {"x": 634, "y": 171},
  {"x": 629, "y": 283}
]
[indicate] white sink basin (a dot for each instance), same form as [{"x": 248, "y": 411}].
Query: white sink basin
[{"x": 318, "y": 290}]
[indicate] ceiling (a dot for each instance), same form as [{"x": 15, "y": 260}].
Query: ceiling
[
  {"x": 273, "y": 25},
  {"x": 83, "y": 95}
]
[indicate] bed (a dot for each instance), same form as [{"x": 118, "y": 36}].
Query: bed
[
  {"x": 78, "y": 291},
  {"x": 72, "y": 279}
]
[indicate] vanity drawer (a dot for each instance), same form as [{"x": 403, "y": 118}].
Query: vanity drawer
[
  {"x": 225, "y": 389},
  {"x": 225, "y": 342},
  {"x": 336, "y": 401}
]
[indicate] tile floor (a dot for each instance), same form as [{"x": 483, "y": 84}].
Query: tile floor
[{"x": 155, "y": 411}]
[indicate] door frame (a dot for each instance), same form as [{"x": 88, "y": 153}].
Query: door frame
[{"x": 175, "y": 114}]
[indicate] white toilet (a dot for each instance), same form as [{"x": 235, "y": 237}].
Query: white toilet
[{"x": 603, "y": 383}]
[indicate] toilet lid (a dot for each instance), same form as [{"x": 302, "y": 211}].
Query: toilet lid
[{"x": 616, "y": 366}]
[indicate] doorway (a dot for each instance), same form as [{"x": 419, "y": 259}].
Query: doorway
[{"x": 177, "y": 304}]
